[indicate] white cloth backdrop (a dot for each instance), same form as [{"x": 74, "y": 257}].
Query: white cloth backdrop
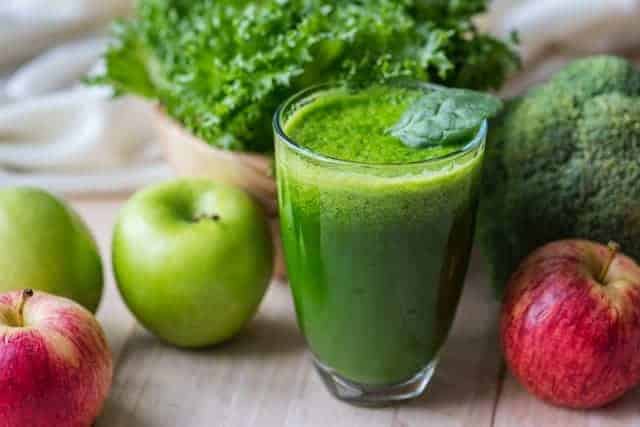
[{"x": 56, "y": 133}]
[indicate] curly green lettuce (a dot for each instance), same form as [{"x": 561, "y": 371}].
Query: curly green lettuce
[{"x": 221, "y": 67}]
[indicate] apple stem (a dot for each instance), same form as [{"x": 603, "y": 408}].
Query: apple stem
[
  {"x": 212, "y": 217},
  {"x": 26, "y": 294},
  {"x": 614, "y": 248}
]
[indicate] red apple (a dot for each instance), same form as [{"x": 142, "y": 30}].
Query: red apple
[
  {"x": 570, "y": 324},
  {"x": 55, "y": 365}
]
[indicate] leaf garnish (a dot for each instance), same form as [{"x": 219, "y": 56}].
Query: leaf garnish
[{"x": 445, "y": 116}]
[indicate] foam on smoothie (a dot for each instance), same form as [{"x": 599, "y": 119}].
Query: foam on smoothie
[{"x": 354, "y": 125}]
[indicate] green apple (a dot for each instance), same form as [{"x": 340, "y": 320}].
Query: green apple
[
  {"x": 45, "y": 245},
  {"x": 192, "y": 260}
]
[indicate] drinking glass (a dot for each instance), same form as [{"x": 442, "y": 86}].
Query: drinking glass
[{"x": 376, "y": 256}]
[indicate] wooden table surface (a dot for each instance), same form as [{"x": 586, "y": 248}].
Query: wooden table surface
[{"x": 265, "y": 378}]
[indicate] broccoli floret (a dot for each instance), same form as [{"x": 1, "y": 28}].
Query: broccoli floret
[{"x": 564, "y": 161}]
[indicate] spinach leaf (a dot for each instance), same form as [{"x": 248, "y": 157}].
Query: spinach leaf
[{"x": 445, "y": 116}]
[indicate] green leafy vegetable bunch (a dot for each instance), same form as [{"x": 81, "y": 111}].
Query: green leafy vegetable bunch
[{"x": 221, "y": 67}]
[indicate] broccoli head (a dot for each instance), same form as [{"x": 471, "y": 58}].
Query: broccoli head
[{"x": 563, "y": 161}]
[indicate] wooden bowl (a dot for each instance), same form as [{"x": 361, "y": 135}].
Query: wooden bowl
[{"x": 189, "y": 156}]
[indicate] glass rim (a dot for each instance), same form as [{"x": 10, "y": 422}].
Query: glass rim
[{"x": 278, "y": 127}]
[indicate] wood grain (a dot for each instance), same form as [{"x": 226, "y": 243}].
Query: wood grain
[
  {"x": 518, "y": 408},
  {"x": 264, "y": 377},
  {"x": 100, "y": 216}
]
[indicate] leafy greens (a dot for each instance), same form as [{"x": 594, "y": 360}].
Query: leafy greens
[{"x": 221, "y": 67}]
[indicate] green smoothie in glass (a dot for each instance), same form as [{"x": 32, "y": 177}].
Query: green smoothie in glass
[{"x": 377, "y": 234}]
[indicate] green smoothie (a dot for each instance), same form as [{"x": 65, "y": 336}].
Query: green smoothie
[{"x": 377, "y": 234}]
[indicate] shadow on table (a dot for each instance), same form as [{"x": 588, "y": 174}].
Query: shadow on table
[
  {"x": 460, "y": 383},
  {"x": 265, "y": 337},
  {"x": 271, "y": 334},
  {"x": 114, "y": 415},
  {"x": 625, "y": 410}
]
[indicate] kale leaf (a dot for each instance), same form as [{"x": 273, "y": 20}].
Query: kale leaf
[{"x": 221, "y": 67}]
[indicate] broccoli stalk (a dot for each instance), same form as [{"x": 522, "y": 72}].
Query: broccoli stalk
[{"x": 563, "y": 161}]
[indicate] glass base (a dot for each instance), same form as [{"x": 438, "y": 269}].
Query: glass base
[{"x": 367, "y": 395}]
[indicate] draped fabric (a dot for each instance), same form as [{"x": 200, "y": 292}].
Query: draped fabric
[{"x": 59, "y": 134}]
